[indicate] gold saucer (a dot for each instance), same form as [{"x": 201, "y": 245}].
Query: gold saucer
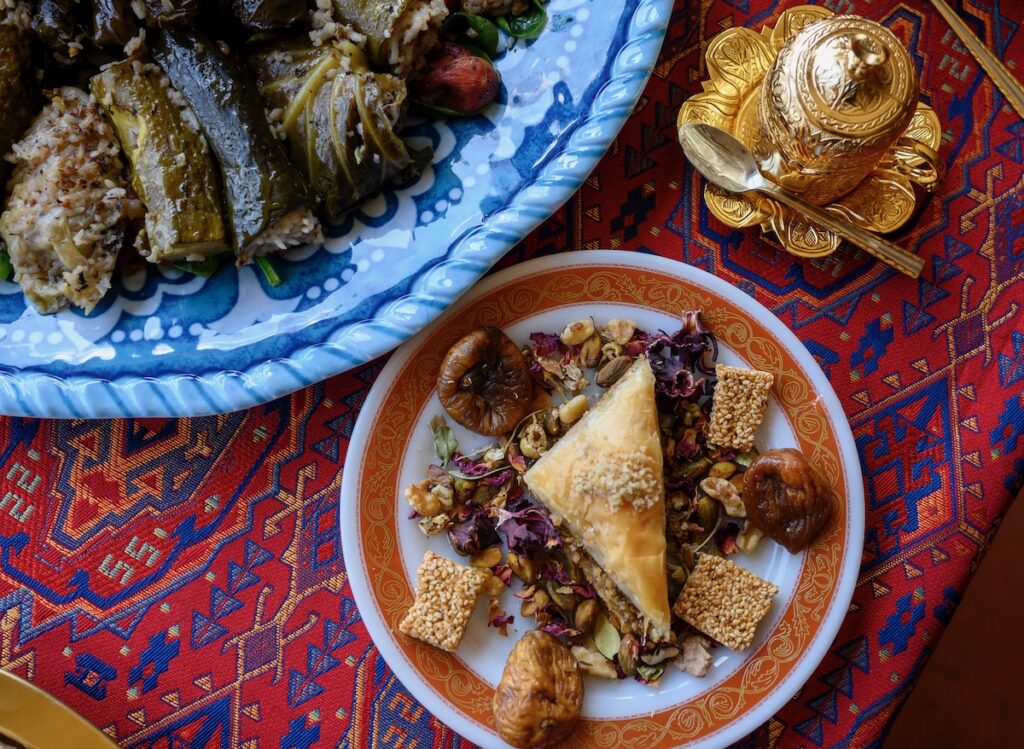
[{"x": 737, "y": 60}]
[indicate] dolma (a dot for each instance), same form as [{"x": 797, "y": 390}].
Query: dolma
[
  {"x": 17, "y": 92},
  {"x": 113, "y": 22},
  {"x": 269, "y": 203},
  {"x": 69, "y": 209},
  {"x": 169, "y": 13},
  {"x": 173, "y": 171},
  {"x": 339, "y": 117},
  {"x": 262, "y": 15},
  {"x": 59, "y": 26},
  {"x": 399, "y": 33}
]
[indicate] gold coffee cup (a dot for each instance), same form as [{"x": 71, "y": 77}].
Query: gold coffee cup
[{"x": 834, "y": 106}]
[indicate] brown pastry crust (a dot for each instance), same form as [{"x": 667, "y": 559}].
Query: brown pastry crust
[{"x": 605, "y": 479}]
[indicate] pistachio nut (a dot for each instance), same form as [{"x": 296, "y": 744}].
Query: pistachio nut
[
  {"x": 561, "y": 595},
  {"x": 490, "y": 557},
  {"x": 629, "y": 654},
  {"x": 723, "y": 469},
  {"x": 611, "y": 372},
  {"x": 586, "y": 614},
  {"x": 523, "y": 567}
]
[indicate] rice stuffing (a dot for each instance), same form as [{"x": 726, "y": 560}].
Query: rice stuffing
[
  {"x": 414, "y": 33},
  {"x": 67, "y": 215},
  {"x": 16, "y": 13},
  {"x": 294, "y": 229}
]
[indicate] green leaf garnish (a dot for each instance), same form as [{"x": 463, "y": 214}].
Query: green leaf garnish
[
  {"x": 473, "y": 31},
  {"x": 6, "y": 269},
  {"x": 204, "y": 268},
  {"x": 445, "y": 112},
  {"x": 445, "y": 443},
  {"x": 529, "y": 25},
  {"x": 650, "y": 673},
  {"x": 606, "y": 637},
  {"x": 269, "y": 271}
]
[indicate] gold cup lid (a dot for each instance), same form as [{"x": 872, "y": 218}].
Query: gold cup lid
[{"x": 852, "y": 77}]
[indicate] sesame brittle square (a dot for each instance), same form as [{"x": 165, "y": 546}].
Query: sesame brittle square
[
  {"x": 724, "y": 601},
  {"x": 741, "y": 399},
  {"x": 446, "y": 594}
]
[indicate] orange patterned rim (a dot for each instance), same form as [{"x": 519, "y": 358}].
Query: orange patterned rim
[{"x": 819, "y": 580}]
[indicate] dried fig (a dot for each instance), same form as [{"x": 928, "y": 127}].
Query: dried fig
[
  {"x": 540, "y": 693},
  {"x": 484, "y": 383},
  {"x": 787, "y": 498}
]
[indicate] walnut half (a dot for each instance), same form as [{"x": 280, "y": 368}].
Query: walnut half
[{"x": 540, "y": 694}]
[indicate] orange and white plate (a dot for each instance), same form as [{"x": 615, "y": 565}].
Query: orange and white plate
[{"x": 392, "y": 446}]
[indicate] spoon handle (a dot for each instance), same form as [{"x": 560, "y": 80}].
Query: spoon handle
[
  {"x": 1000, "y": 74},
  {"x": 886, "y": 251}
]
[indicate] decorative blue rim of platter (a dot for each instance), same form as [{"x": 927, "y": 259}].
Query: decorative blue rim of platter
[{"x": 388, "y": 318}]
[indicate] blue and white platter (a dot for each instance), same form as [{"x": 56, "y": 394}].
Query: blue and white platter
[{"x": 164, "y": 343}]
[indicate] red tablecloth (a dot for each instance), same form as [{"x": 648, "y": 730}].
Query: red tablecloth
[{"x": 180, "y": 582}]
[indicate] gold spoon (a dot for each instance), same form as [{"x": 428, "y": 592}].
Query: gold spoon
[
  {"x": 1001, "y": 76},
  {"x": 729, "y": 164}
]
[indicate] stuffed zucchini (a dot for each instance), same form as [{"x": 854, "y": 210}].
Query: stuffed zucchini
[
  {"x": 340, "y": 118},
  {"x": 269, "y": 203},
  {"x": 173, "y": 170},
  {"x": 398, "y": 34},
  {"x": 69, "y": 209}
]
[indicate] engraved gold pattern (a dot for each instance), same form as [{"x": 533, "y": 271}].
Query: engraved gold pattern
[
  {"x": 819, "y": 578},
  {"x": 882, "y": 202}
]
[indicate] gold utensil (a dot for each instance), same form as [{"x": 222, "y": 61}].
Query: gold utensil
[
  {"x": 740, "y": 62},
  {"x": 729, "y": 164},
  {"x": 1001, "y": 76},
  {"x": 34, "y": 719}
]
